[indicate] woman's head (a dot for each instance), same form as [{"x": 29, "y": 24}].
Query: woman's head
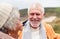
[{"x": 9, "y": 17}]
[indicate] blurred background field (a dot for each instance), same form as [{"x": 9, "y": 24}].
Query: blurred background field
[{"x": 49, "y": 12}]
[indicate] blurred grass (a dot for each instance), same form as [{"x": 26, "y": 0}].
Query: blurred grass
[
  {"x": 57, "y": 28},
  {"x": 56, "y": 25}
]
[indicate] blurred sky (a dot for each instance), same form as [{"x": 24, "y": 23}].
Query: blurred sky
[{"x": 21, "y": 4}]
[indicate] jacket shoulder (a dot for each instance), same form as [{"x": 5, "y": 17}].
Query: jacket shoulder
[{"x": 49, "y": 31}]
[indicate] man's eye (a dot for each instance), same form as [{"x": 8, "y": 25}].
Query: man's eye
[
  {"x": 32, "y": 14},
  {"x": 37, "y": 14}
]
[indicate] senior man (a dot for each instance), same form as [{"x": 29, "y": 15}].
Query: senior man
[{"x": 35, "y": 27}]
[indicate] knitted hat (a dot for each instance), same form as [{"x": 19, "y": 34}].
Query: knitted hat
[
  {"x": 5, "y": 10},
  {"x": 9, "y": 15}
]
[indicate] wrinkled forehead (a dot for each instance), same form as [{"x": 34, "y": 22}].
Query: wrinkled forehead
[{"x": 35, "y": 11}]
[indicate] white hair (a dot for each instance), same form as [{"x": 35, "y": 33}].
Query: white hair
[{"x": 36, "y": 5}]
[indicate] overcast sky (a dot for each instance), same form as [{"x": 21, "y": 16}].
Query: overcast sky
[{"x": 21, "y": 4}]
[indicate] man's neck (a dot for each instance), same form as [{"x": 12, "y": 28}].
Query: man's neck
[{"x": 35, "y": 28}]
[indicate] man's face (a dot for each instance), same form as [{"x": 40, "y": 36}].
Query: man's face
[{"x": 35, "y": 17}]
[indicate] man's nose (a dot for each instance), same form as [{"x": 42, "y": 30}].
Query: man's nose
[{"x": 34, "y": 16}]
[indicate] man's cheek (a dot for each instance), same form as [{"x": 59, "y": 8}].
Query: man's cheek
[{"x": 31, "y": 18}]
